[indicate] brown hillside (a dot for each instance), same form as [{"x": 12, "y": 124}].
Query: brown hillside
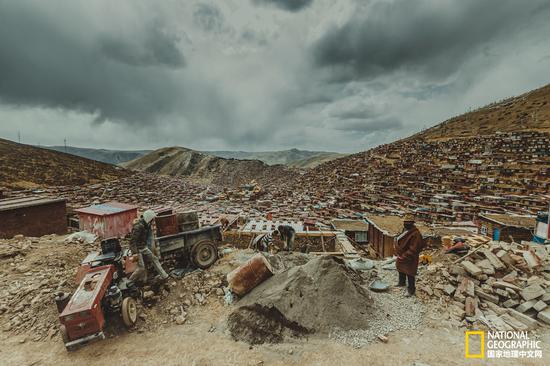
[
  {"x": 496, "y": 159},
  {"x": 24, "y": 166},
  {"x": 527, "y": 112},
  {"x": 206, "y": 169}
]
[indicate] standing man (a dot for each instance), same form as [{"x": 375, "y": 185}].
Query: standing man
[
  {"x": 287, "y": 235},
  {"x": 141, "y": 242},
  {"x": 407, "y": 248}
]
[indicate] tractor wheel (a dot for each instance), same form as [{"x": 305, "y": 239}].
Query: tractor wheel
[
  {"x": 204, "y": 254},
  {"x": 129, "y": 311},
  {"x": 64, "y": 335}
]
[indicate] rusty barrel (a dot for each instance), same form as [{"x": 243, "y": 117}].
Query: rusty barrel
[{"x": 249, "y": 275}]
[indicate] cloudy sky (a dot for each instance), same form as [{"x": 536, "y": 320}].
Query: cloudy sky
[{"x": 340, "y": 75}]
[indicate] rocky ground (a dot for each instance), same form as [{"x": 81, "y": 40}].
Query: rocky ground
[{"x": 186, "y": 322}]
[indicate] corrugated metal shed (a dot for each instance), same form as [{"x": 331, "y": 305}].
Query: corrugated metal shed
[
  {"x": 32, "y": 216},
  {"x": 107, "y": 220}
]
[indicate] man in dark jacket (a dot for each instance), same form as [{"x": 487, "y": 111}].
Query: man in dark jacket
[
  {"x": 141, "y": 242},
  {"x": 407, "y": 248},
  {"x": 287, "y": 233}
]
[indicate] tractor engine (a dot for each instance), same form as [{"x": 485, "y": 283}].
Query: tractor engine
[{"x": 113, "y": 299}]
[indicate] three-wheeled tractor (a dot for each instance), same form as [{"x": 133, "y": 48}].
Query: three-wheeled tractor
[{"x": 104, "y": 288}]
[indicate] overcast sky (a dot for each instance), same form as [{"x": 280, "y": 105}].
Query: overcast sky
[{"x": 339, "y": 75}]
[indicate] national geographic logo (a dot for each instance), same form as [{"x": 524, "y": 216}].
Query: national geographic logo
[
  {"x": 475, "y": 334},
  {"x": 501, "y": 344}
]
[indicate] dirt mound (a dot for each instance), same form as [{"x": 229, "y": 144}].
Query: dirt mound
[{"x": 316, "y": 297}]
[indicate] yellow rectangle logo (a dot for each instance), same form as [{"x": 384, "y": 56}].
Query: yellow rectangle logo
[{"x": 481, "y": 335}]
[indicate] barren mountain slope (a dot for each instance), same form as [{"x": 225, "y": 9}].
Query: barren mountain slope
[
  {"x": 179, "y": 161},
  {"x": 292, "y": 157},
  {"x": 527, "y": 112},
  {"x": 103, "y": 155},
  {"x": 25, "y": 166}
]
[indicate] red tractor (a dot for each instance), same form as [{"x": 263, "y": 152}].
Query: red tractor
[
  {"x": 104, "y": 289},
  {"x": 104, "y": 285}
]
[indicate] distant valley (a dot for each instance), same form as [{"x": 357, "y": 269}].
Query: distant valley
[{"x": 293, "y": 157}]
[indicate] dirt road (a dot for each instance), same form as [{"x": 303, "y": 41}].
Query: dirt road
[{"x": 203, "y": 341}]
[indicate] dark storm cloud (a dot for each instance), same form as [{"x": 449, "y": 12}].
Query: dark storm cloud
[
  {"x": 427, "y": 37},
  {"x": 289, "y": 5},
  {"x": 367, "y": 126},
  {"x": 355, "y": 114},
  {"x": 208, "y": 17},
  {"x": 59, "y": 60},
  {"x": 155, "y": 49},
  {"x": 239, "y": 74}
]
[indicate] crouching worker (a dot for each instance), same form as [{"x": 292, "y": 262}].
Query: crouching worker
[
  {"x": 141, "y": 243},
  {"x": 264, "y": 242},
  {"x": 407, "y": 248},
  {"x": 288, "y": 234}
]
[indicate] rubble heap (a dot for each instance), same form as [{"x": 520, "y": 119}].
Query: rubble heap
[
  {"x": 173, "y": 302},
  {"x": 315, "y": 297},
  {"x": 32, "y": 270},
  {"x": 498, "y": 285}
]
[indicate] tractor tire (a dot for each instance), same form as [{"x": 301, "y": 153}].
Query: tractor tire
[
  {"x": 64, "y": 335},
  {"x": 65, "y": 338},
  {"x": 204, "y": 254},
  {"x": 129, "y": 311}
]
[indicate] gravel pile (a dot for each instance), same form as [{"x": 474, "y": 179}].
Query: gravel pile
[{"x": 393, "y": 312}]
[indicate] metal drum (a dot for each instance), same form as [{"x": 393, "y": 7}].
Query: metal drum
[{"x": 255, "y": 271}]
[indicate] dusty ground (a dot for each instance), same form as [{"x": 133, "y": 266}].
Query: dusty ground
[
  {"x": 194, "y": 344},
  {"x": 203, "y": 338}
]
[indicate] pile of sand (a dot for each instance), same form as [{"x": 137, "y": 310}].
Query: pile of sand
[{"x": 315, "y": 297}]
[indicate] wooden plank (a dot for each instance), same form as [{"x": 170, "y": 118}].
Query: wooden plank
[{"x": 467, "y": 255}]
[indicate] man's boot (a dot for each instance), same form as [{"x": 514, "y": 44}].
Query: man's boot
[
  {"x": 401, "y": 282},
  {"x": 411, "y": 290},
  {"x": 409, "y": 293}
]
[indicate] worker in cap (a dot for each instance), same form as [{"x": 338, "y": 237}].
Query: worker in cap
[
  {"x": 408, "y": 246},
  {"x": 141, "y": 243}
]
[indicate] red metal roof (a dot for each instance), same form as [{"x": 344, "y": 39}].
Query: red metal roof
[{"x": 108, "y": 208}]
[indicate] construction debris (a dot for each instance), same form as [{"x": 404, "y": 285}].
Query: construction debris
[{"x": 500, "y": 286}]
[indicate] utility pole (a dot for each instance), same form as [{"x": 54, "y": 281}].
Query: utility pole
[
  {"x": 65, "y": 142},
  {"x": 19, "y": 136}
]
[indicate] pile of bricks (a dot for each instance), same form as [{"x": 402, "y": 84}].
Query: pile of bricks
[{"x": 500, "y": 285}]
